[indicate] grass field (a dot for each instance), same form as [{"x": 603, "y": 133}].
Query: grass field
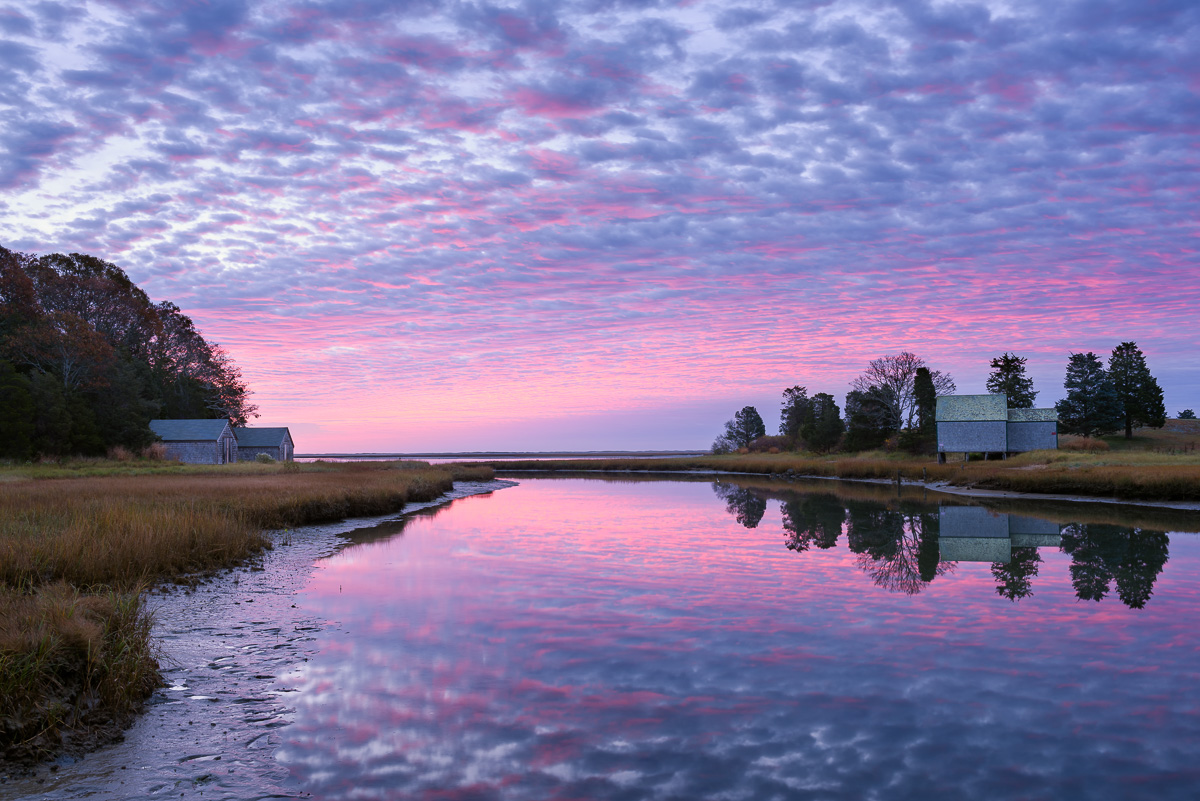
[{"x": 79, "y": 542}]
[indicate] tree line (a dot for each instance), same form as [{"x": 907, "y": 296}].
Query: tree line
[
  {"x": 87, "y": 360},
  {"x": 893, "y": 403}
]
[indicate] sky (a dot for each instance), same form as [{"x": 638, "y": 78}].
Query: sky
[{"x": 610, "y": 224}]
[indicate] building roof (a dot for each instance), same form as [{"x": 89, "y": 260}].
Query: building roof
[
  {"x": 972, "y": 408},
  {"x": 261, "y": 437},
  {"x": 189, "y": 430},
  {"x": 1032, "y": 416}
]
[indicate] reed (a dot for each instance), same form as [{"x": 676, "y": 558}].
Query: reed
[{"x": 76, "y": 553}]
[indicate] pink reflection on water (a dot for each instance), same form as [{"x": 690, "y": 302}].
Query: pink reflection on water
[{"x": 585, "y": 639}]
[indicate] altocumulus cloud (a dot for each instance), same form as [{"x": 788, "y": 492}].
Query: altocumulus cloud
[{"x": 755, "y": 195}]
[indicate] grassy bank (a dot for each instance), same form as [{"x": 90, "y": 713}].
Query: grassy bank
[
  {"x": 1134, "y": 475},
  {"x": 79, "y": 543}
]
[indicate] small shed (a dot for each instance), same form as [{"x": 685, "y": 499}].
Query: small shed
[
  {"x": 197, "y": 441},
  {"x": 274, "y": 442},
  {"x": 985, "y": 424}
]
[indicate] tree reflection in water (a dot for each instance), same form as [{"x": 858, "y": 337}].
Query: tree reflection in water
[
  {"x": 740, "y": 502},
  {"x": 1101, "y": 554},
  {"x": 1014, "y": 580},
  {"x": 899, "y": 549}
]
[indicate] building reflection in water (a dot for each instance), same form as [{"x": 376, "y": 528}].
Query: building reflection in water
[{"x": 904, "y": 545}]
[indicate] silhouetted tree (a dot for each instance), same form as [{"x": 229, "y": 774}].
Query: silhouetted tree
[
  {"x": 1091, "y": 407},
  {"x": 745, "y": 427},
  {"x": 1009, "y": 379},
  {"x": 890, "y": 381},
  {"x": 866, "y": 417},
  {"x": 1187, "y": 414},
  {"x": 922, "y": 437},
  {"x": 824, "y": 429},
  {"x": 1140, "y": 396},
  {"x": 746, "y": 507},
  {"x": 796, "y": 413},
  {"x": 893, "y": 548}
]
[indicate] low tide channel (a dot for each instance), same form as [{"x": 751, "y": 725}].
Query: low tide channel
[{"x": 630, "y": 639}]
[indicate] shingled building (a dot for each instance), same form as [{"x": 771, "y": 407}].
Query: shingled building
[
  {"x": 197, "y": 441},
  {"x": 985, "y": 424},
  {"x": 274, "y": 442}
]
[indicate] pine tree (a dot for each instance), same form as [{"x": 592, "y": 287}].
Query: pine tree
[
  {"x": 745, "y": 427},
  {"x": 1091, "y": 407},
  {"x": 797, "y": 412},
  {"x": 824, "y": 429},
  {"x": 1140, "y": 395},
  {"x": 1008, "y": 378}
]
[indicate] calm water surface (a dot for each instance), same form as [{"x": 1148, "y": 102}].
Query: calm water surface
[{"x": 592, "y": 640}]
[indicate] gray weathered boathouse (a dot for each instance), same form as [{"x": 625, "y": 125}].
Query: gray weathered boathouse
[
  {"x": 274, "y": 442},
  {"x": 197, "y": 441},
  {"x": 985, "y": 424}
]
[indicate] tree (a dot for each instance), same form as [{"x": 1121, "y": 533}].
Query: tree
[
  {"x": 745, "y": 427},
  {"x": 746, "y": 507},
  {"x": 797, "y": 412},
  {"x": 16, "y": 414},
  {"x": 1091, "y": 407},
  {"x": 823, "y": 430},
  {"x": 889, "y": 380},
  {"x": 865, "y": 421},
  {"x": 1140, "y": 396},
  {"x": 1187, "y": 414},
  {"x": 1008, "y": 378},
  {"x": 922, "y": 438}
]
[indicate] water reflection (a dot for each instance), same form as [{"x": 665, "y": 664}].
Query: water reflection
[
  {"x": 904, "y": 543},
  {"x": 579, "y": 639}
]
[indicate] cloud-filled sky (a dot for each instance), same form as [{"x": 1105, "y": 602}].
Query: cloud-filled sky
[{"x": 612, "y": 223}]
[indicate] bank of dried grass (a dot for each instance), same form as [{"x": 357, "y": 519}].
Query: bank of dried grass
[{"x": 76, "y": 553}]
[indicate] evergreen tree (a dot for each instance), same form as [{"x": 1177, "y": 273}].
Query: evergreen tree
[
  {"x": 797, "y": 412},
  {"x": 866, "y": 420},
  {"x": 922, "y": 436},
  {"x": 1008, "y": 378},
  {"x": 1139, "y": 394},
  {"x": 1091, "y": 407},
  {"x": 745, "y": 427},
  {"x": 824, "y": 428},
  {"x": 16, "y": 414}
]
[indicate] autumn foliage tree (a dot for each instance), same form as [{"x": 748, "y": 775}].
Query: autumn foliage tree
[{"x": 87, "y": 360}]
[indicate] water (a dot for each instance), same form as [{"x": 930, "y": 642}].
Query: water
[{"x": 627, "y": 639}]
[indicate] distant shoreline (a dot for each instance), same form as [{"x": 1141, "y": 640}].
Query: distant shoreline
[{"x": 503, "y": 455}]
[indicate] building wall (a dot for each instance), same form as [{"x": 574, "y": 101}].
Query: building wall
[
  {"x": 1032, "y": 437},
  {"x": 971, "y": 437},
  {"x": 205, "y": 452},
  {"x": 247, "y": 454}
]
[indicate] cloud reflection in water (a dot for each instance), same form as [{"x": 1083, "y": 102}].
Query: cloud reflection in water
[{"x": 578, "y": 639}]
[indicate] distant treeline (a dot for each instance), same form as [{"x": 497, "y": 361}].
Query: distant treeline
[
  {"x": 87, "y": 360},
  {"x": 893, "y": 404}
]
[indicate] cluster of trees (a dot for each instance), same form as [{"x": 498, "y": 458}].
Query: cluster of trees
[
  {"x": 1101, "y": 401},
  {"x": 896, "y": 396},
  {"x": 87, "y": 360}
]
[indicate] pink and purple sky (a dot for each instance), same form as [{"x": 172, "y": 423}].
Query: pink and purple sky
[{"x": 609, "y": 224}]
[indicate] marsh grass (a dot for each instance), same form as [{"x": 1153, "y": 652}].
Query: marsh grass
[
  {"x": 1162, "y": 472},
  {"x": 77, "y": 548}
]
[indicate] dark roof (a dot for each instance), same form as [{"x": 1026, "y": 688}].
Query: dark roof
[
  {"x": 189, "y": 430},
  {"x": 261, "y": 437}
]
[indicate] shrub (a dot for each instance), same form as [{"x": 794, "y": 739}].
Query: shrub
[
  {"x": 264, "y": 458},
  {"x": 119, "y": 453},
  {"x": 1067, "y": 442},
  {"x": 155, "y": 452},
  {"x": 768, "y": 444}
]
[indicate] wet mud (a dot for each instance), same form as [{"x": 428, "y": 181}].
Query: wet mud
[{"x": 228, "y": 648}]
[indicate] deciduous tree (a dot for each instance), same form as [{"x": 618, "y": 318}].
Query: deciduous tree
[
  {"x": 745, "y": 427},
  {"x": 890, "y": 382}
]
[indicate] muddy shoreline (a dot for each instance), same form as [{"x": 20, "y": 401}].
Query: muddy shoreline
[{"x": 227, "y": 647}]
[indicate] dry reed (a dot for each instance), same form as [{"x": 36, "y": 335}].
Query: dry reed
[{"x": 75, "y": 554}]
